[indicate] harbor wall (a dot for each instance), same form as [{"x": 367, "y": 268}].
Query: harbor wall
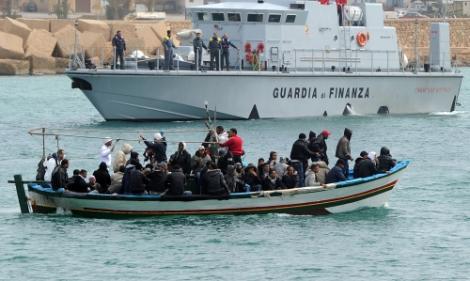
[{"x": 48, "y": 43}]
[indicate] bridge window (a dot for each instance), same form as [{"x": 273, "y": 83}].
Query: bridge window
[
  {"x": 218, "y": 17},
  {"x": 290, "y": 18},
  {"x": 254, "y": 18},
  {"x": 202, "y": 16},
  {"x": 234, "y": 17},
  {"x": 274, "y": 18}
]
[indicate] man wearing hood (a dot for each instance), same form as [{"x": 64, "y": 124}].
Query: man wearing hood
[
  {"x": 102, "y": 177},
  {"x": 313, "y": 146},
  {"x": 120, "y": 159},
  {"x": 321, "y": 141},
  {"x": 214, "y": 182},
  {"x": 158, "y": 147},
  {"x": 343, "y": 150},
  {"x": 386, "y": 162},
  {"x": 181, "y": 158}
]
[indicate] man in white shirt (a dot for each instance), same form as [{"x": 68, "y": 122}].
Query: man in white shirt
[
  {"x": 53, "y": 162},
  {"x": 222, "y": 136},
  {"x": 106, "y": 150}
]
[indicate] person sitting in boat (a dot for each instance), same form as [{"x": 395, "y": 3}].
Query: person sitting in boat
[
  {"x": 134, "y": 160},
  {"x": 120, "y": 159},
  {"x": 137, "y": 182},
  {"x": 366, "y": 168},
  {"x": 362, "y": 156},
  {"x": 290, "y": 179},
  {"x": 299, "y": 156},
  {"x": 157, "y": 179},
  {"x": 311, "y": 175},
  {"x": 336, "y": 174},
  {"x": 102, "y": 177},
  {"x": 181, "y": 158},
  {"x": 323, "y": 170},
  {"x": 321, "y": 141},
  {"x": 158, "y": 148},
  {"x": 199, "y": 160},
  {"x": 77, "y": 183},
  {"x": 106, "y": 150},
  {"x": 240, "y": 174},
  {"x": 343, "y": 150},
  {"x": 373, "y": 158},
  {"x": 213, "y": 182},
  {"x": 59, "y": 178},
  {"x": 279, "y": 165},
  {"x": 234, "y": 145},
  {"x": 231, "y": 178},
  {"x": 52, "y": 163},
  {"x": 176, "y": 181},
  {"x": 386, "y": 162},
  {"x": 272, "y": 181},
  {"x": 225, "y": 159},
  {"x": 264, "y": 171},
  {"x": 251, "y": 178},
  {"x": 94, "y": 186},
  {"x": 116, "y": 181}
]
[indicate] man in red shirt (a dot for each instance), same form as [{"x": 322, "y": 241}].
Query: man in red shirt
[{"x": 234, "y": 145}]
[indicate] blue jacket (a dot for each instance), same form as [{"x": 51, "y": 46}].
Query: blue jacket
[
  {"x": 119, "y": 43},
  {"x": 336, "y": 174}
]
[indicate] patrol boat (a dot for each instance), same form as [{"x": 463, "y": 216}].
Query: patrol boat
[{"x": 295, "y": 60}]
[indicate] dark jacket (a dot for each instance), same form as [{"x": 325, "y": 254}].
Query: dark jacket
[
  {"x": 59, "y": 178},
  {"x": 251, "y": 179},
  {"x": 198, "y": 45},
  {"x": 119, "y": 43},
  {"x": 78, "y": 184},
  {"x": 214, "y": 44},
  {"x": 336, "y": 174},
  {"x": 269, "y": 184},
  {"x": 356, "y": 166},
  {"x": 157, "y": 181},
  {"x": 214, "y": 183},
  {"x": 137, "y": 182},
  {"x": 231, "y": 178},
  {"x": 102, "y": 176},
  {"x": 176, "y": 182},
  {"x": 225, "y": 44},
  {"x": 366, "y": 168},
  {"x": 300, "y": 151},
  {"x": 182, "y": 159},
  {"x": 159, "y": 150},
  {"x": 322, "y": 147},
  {"x": 290, "y": 181},
  {"x": 385, "y": 160}
]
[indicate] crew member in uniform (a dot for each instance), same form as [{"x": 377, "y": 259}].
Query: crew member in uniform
[
  {"x": 226, "y": 44},
  {"x": 198, "y": 45},
  {"x": 214, "y": 49},
  {"x": 119, "y": 45},
  {"x": 169, "y": 46}
]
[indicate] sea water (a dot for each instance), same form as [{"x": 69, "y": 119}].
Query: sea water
[{"x": 422, "y": 234}]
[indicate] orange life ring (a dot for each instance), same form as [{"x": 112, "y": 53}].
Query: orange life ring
[{"x": 361, "y": 39}]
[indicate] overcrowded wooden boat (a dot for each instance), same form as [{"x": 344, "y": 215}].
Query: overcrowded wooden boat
[{"x": 339, "y": 197}]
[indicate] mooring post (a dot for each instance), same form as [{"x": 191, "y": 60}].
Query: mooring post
[{"x": 22, "y": 199}]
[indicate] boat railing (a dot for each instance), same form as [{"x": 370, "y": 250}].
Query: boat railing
[{"x": 295, "y": 60}]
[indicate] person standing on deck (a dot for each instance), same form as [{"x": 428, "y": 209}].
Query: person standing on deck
[
  {"x": 119, "y": 45},
  {"x": 214, "y": 50},
  {"x": 225, "y": 45},
  {"x": 198, "y": 45},
  {"x": 168, "y": 46},
  {"x": 343, "y": 150},
  {"x": 235, "y": 145},
  {"x": 299, "y": 155},
  {"x": 158, "y": 148},
  {"x": 321, "y": 140},
  {"x": 106, "y": 150},
  {"x": 53, "y": 162}
]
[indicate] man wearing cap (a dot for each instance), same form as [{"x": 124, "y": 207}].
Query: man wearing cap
[
  {"x": 158, "y": 147},
  {"x": 321, "y": 141},
  {"x": 198, "y": 45},
  {"x": 106, "y": 150}
]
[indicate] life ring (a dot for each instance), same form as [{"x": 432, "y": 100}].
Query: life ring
[{"x": 361, "y": 39}]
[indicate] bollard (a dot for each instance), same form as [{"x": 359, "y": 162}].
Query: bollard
[{"x": 22, "y": 199}]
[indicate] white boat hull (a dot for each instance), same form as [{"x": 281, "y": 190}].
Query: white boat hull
[{"x": 147, "y": 95}]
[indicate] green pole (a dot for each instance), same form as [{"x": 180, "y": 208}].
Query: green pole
[{"x": 22, "y": 199}]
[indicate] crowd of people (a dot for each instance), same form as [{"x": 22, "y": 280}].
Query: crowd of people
[{"x": 216, "y": 168}]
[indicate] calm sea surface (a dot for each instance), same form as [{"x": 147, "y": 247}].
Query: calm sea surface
[{"x": 423, "y": 234}]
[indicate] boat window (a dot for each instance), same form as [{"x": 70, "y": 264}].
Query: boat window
[
  {"x": 290, "y": 18},
  {"x": 234, "y": 17},
  {"x": 254, "y": 18},
  {"x": 218, "y": 17},
  {"x": 202, "y": 16},
  {"x": 274, "y": 18}
]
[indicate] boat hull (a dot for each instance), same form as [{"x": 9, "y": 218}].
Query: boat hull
[
  {"x": 335, "y": 198},
  {"x": 146, "y": 95}
]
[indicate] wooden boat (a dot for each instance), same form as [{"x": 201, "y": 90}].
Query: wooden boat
[{"x": 332, "y": 198}]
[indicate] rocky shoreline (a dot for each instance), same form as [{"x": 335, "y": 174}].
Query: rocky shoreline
[{"x": 41, "y": 46}]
